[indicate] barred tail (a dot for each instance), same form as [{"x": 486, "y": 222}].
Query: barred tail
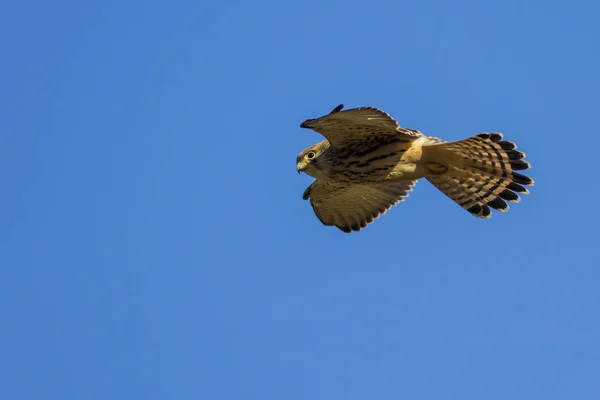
[{"x": 478, "y": 173}]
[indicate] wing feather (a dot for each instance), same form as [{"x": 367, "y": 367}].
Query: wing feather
[
  {"x": 353, "y": 207},
  {"x": 356, "y": 124}
]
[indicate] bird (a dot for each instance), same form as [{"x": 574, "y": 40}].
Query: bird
[{"x": 368, "y": 163}]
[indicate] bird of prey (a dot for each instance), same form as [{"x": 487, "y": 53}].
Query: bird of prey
[{"x": 369, "y": 163}]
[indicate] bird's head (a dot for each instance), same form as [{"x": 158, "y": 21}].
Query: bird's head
[{"x": 310, "y": 160}]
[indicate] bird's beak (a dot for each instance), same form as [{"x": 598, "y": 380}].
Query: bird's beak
[{"x": 300, "y": 167}]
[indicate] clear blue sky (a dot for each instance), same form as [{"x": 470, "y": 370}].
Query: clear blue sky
[{"x": 153, "y": 239}]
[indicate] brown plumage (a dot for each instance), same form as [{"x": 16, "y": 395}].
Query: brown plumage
[{"x": 368, "y": 163}]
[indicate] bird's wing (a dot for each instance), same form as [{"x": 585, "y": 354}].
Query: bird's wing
[
  {"x": 352, "y": 207},
  {"x": 340, "y": 127}
]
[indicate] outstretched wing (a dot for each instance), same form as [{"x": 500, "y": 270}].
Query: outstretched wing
[
  {"x": 352, "y": 207},
  {"x": 356, "y": 124}
]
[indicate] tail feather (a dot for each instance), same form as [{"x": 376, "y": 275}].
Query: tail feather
[{"x": 480, "y": 173}]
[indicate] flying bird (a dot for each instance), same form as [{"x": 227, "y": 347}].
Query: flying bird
[{"x": 369, "y": 163}]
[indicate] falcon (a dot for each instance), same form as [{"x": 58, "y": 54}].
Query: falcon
[{"x": 369, "y": 163}]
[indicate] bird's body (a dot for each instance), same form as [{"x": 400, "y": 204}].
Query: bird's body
[
  {"x": 369, "y": 163},
  {"x": 378, "y": 159}
]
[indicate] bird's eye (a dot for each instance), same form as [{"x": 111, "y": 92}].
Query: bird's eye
[{"x": 310, "y": 155}]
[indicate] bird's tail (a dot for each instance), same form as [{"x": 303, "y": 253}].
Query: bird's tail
[{"x": 478, "y": 172}]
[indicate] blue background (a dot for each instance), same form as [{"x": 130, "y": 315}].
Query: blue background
[{"x": 153, "y": 239}]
